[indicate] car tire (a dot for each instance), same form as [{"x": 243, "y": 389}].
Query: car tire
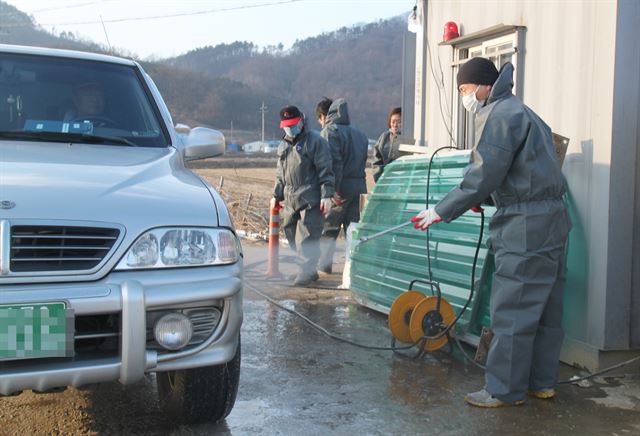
[{"x": 198, "y": 395}]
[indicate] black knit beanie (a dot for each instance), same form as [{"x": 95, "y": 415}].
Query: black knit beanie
[{"x": 479, "y": 71}]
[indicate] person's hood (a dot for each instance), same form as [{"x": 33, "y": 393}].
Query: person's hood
[
  {"x": 503, "y": 85},
  {"x": 137, "y": 187},
  {"x": 338, "y": 113}
]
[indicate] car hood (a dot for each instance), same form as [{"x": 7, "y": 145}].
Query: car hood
[{"x": 136, "y": 187}]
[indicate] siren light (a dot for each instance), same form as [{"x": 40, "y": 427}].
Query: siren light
[{"x": 450, "y": 31}]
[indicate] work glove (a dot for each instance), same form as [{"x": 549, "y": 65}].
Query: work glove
[
  {"x": 426, "y": 218},
  {"x": 276, "y": 204},
  {"x": 325, "y": 206},
  {"x": 477, "y": 209}
]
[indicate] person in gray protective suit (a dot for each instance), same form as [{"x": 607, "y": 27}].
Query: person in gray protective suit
[
  {"x": 349, "y": 147},
  {"x": 514, "y": 161},
  {"x": 304, "y": 190}
]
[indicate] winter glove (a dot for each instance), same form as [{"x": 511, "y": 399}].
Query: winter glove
[
  {"x": 337, "y": 199},
  {"x": 426, "y": 218},
  {"x": 276, "y": 204},
  {"x": 325, "y": 206}
]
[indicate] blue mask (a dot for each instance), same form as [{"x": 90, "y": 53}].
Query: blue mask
[{"x": 292, "y": 131}]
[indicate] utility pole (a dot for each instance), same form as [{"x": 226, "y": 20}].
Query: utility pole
[{"x": 263, "y": 109}]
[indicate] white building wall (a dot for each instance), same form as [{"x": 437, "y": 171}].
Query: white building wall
[{"x": 569, "y": 54}]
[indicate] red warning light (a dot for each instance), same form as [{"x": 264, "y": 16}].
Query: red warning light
[{"x": 450, "y": 31}]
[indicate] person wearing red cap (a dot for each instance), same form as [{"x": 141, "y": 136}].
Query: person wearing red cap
[
  {"x": 304, "y": 189},
  {"x": 514, "y": 161}
]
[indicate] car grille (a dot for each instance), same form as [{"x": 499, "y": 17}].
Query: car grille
[
  {"x": 97, "y": 333},
  {"x": 59, "y": 248}
]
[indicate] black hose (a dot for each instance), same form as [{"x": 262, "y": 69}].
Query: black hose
[
  {"x": 427, "y": 201},
  {"x": 421, "y": 341},
  {"x": 325, "y": 331},
  {"x": 475, "y": 256},
  {"x": 602, "y": 371}
]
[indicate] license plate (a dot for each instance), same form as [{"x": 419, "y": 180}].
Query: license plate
[{"x": 34, "y": 331}]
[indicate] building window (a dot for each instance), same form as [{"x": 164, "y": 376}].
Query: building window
[{"x": 499, "y": 50}]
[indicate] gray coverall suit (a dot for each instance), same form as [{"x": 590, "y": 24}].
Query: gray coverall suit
[
  {"x": 349, "y": 148},
  {"x": 385, "y": 151},
  {"x": 303, "y": 176},
  {"x": 514, "y": 161}
]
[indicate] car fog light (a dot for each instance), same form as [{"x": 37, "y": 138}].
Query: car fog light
[{"x": 173, "y": 331}]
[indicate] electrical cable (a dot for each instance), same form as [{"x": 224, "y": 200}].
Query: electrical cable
[
  {"x": 155, "y": 17},
  {"x": 602, "y": 371},
  {"x": 446, "y": 330},
  {"x": 471, "y": 292},
  {"x": 71, "y": 6},
  {"x": 442, "y": 114},
  {"x": 433, "y": 74},
  {"x": 427, "y": 202},
  {"x": 420, "y": 342},
  {"x": 176, "y": 15},
  {"x": 464, "y": 353},
  {"x": 321, "y": 329}
]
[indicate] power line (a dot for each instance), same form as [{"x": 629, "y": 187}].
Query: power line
[
  {"x": 72, "y": 6},
  {"x": 183, "y": 14},
  {"x": 57, "y": 8}
]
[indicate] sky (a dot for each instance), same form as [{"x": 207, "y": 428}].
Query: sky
[{"x": 165, "y": 28}]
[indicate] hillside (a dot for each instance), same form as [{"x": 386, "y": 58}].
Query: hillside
[
  {"x": 362, "y": 64},
  {"x": 223, "y": 86}
]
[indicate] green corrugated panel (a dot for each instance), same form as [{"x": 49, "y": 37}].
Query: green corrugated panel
[{"x": 382, "y": 268}]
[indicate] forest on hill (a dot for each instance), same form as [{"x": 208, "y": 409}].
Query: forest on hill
[{"x": 363, "y": 64}]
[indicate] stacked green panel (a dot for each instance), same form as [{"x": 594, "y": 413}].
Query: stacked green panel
[{"x": 383, "y": 268}]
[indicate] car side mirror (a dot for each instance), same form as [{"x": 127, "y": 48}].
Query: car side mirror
[{"x": 200, "y": 142}]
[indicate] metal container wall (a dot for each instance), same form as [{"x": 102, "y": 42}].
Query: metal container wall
[{"x": 382, "y": 268}]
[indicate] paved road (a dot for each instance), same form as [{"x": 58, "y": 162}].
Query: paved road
[{"x": 295, "y": 381}]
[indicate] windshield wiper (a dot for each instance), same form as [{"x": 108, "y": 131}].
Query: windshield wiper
[{"x": 66, "y": 137}]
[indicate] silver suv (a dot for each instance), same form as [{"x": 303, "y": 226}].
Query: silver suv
[{"x": 115, "y": 260}]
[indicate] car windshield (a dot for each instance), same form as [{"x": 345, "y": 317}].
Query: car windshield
[{"x": 72, "y": 100}]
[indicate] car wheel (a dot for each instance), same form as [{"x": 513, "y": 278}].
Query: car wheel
[{"x": 204, "y": 394}]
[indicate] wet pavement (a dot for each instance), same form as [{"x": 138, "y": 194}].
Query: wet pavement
[{"x": 295, "y": 381}]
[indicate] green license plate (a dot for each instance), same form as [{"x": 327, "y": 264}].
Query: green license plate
[{"x": 38, "y": 330}]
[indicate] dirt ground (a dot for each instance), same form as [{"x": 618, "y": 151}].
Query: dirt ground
[{"x": 246, "y": 183}]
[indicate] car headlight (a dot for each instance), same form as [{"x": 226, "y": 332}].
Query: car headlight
[{"x": 171, "y": 247}]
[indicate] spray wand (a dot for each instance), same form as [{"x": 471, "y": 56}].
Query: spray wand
[{"x": 364, "y": 239}]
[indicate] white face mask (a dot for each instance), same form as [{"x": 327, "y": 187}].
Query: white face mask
[{"x": 471, "y": 102}]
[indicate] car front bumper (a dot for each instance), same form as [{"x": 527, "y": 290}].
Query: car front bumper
[{"x": 131, "y": 295}]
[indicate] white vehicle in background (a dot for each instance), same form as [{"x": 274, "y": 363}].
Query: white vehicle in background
[
  {"x": 115, "y": 260},
  {"x": 252, "y": 147}
]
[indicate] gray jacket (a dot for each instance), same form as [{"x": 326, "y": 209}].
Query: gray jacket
[
  {"x": 304, "y": 173},
  {"x": 349, "y": 147},
  {"x": 514, "y": 159},
  {"x": 384, "y": 151}
]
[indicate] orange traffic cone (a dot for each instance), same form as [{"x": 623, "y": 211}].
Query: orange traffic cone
[{"x": 274, "y": 242}]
